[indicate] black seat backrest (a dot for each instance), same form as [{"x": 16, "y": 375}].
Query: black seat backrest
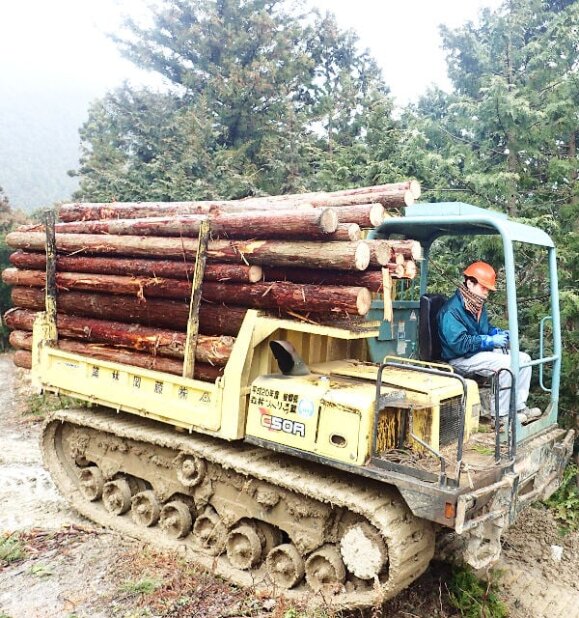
[{"x": 428, "y": 337}]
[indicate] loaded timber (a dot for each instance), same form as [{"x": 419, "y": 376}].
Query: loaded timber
[{"x": 258, "y": 421}]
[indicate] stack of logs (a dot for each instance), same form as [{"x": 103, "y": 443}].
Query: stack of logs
[{"x": 124, "y": 271}]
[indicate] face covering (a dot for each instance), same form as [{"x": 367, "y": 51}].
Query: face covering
[{"x": 472, "y": 302}]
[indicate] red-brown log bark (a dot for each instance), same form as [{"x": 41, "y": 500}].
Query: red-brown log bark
[
  {"x": 365, "y": 215},
  {"x": 410, "y": 249},
  {"x": 283, "y": 296},
  {"x": 393, "y": 192},
  {"x": 20, "y": 340},
  {"x": 331, "y": 255},
  {"x": 138, "y": 210},
  {"x": 286, "y": 296},
  {"x": 22, "y": 358},
  {"x": 407, "y": 185},
  {"x": 296, "y": 223},
  {"x": 390, "y": 200},
  {"x": 370, "y": 279},
  {"x": 212, "y": 350},
  {"x": 350, "y": 232},
  {"x": 213, "y": 319},
  {"x": 203, "y": 371},
  {"x": 139, "y": 267}
]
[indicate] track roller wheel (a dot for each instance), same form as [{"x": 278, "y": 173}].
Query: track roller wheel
[
  {"x": 117, "y": 496},
  {"x": 243, "y": 546},
  {"x": 210, "y": 532},
  {"x": 285, "y": 566},
  {"x": 364, "y": 551},
  {"x": 191, "y": 470},
  {"x": 145, "y": 508},
  {"x": 91, "y": 483},
  {"x": 175, "y": 519},
  {"x": 269, "y": 536},
  {"x": 325, "y": 566}
]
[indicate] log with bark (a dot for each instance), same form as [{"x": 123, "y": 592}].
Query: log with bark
[
  {"x": 314, "y": 224},
  {"x": 283, "y": 296},
  {"x": 330, "y": 255},
  {"x": 365, "y": 215},
  {"x": 171, "y": 314},
  {"x": 22, "y": 358},
  {"x": 169, "y": 269},
  {"x": 370, "y": 279},
  {"x": 203, "y": 371},
  {"x": 350, "y": 232},
  {"x": 212, "y": 350},
  {"x": 392, "y": 195}
]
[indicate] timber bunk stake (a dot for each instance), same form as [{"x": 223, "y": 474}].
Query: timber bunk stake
[
  {"x": 193, "y": 321},
  {"x": 50, "y": 297}
]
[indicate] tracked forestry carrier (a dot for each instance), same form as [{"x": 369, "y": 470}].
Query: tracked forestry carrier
[{"x": 325, "y": 461}]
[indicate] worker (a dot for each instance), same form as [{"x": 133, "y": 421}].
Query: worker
[{"x": 472, "y": 344}]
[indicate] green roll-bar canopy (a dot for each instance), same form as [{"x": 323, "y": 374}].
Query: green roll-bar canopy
[{"x": 427, "y": 222}]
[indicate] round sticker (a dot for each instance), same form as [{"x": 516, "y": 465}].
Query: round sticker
[{"x": 306, "y": 408}]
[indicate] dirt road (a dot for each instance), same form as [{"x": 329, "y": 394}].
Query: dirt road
[{"x": 73, "y": 569}]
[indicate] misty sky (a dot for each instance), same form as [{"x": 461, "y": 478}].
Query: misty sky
[{"x": 65, "y": 40}]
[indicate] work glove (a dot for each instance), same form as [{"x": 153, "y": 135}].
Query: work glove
[
  {"x": 490, "y": 342},
  {"x": 497, "y": 331}
]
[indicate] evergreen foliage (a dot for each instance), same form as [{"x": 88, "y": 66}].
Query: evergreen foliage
[
  {"x": 261, "y": 98},
  {"x": 9, "y": 219},
  {"x": 506, "y": 138},
  {"x": 266, "y": 97}
]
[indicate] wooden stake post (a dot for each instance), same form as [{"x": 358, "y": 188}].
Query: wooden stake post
[
  {"x": 193, "y": 321},
  {"x": 50, "y": 297}
]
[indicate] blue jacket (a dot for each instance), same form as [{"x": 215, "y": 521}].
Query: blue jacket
[{"x": 460, "y": 333}]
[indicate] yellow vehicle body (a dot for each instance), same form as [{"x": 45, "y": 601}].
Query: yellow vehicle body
[{"x": 329, "y": 412}]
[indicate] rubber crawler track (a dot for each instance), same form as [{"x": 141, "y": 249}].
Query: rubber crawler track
[{"x": 410, "y": 540}]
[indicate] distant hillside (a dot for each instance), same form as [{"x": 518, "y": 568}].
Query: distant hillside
[{"x": 39, "y": 141}]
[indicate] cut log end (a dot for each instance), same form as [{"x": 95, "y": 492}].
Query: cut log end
[
  {"x": 328, "y": 221},
  {"x": 362, "y": 256},
  {"x": 255, "y": 274},
  {"x": 409, "y": 198},
  {"x": 364, "y": 301},
  {"x": 415, "y": 189},
  {"x": 349, "y": 232},
  {"x": 382, "y": 252},
  {"x": 377, "y": 214}
]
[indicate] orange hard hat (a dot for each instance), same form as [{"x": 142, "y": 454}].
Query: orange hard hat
[{"x": 484, "y": 273}]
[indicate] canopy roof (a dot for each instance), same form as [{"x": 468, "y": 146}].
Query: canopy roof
[{"x": 427, "y": 222}]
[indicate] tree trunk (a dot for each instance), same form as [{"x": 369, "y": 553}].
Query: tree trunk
[
  {"x": 350, "y": 232},
  {"x": 287, "y": 297},
  {"x": 292, "y": 297},
  {"x": 203, "y": 371},
  {"x": 213, "y": 319},
  {"x": 574, "y": 175},
  {"x": 331, "y": 255},
  {"x": 371, "y": 279},
  {"x": 400, "y": 194},
  {"x": 22, "y": 358},
  {"x": 409, "y": 249},
  {"x": 139, "y": 268},
  {"x": 365, "y": 215},
  {"x": 20, "y": 340},
  {"x": 213, "y": 350},
  {"x": 388, "y": 199},
  {"x": 380, "y": 253},
  {"x": 286, "y": 224}
]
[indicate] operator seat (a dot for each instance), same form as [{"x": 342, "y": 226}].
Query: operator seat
[{"x": 428, "y": 338}]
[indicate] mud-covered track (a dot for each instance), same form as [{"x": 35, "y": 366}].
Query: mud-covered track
[{"x": 409, "y": 541}]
